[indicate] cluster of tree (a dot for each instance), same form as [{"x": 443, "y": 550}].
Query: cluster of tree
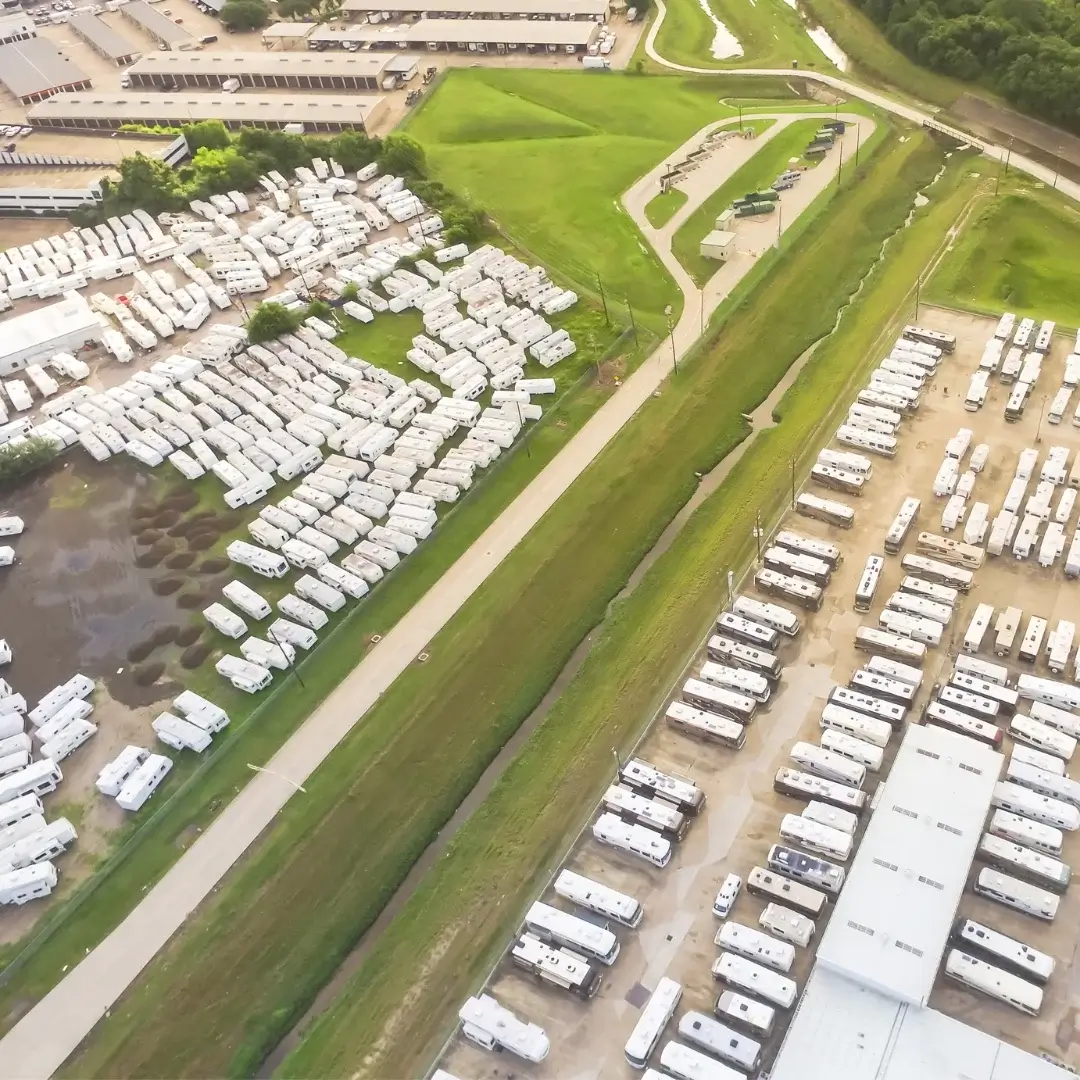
[
  {"x": 1026, "y": 50},
  {"x": 270, "y": 319},
  {"x": 23, "y": 459},
  {"x": 245, "y": 14}
]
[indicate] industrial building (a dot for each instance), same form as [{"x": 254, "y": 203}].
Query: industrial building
[
  {"x": 467, "y": 35},
  {"x": 719, "y": 244},
  {"x": 514, "y": 10},
  {"x": 278, "y": 71},
  {"x": 34, "y": 69},
  {"x": 66, "y": 326},
  {"x": 862, "y": 1014},
  {"x": 160, "y": 27},
  {"x": 17, "y": 27},
  {"x": 102, "y": 38},
  {"x": 106, "y": 112}
]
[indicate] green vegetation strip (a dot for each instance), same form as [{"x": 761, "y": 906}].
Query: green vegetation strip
[
  {"x": 662, "y": 208},
  {"x": 396, "y": 1010},
  {"x": 1019, "y": 254},
  {"x": 573, "y": 142},
  {"x": 758, "y": 173},
  {"x": 344, "y": 848},
  {"x": 771, "y": 35}
]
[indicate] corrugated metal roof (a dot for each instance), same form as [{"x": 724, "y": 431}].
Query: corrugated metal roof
[
  {"x": 103, "y": 36},
  {"x": 71, "y": 315},
  {"x": 453, "y": 31},
  {"x": 156, "y": 24},
  {"x": 226, "y": 64},
  {"x": 843, "y": 1031},
  {"x": 35, "y": 66},
  {"x": 892, "y": 919}
]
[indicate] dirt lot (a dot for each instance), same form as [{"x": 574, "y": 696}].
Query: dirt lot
[{"x": 742, "y": 816}]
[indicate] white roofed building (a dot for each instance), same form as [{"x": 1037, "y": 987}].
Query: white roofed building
[
  {"x": 862, "y": 1014},
  {"x": 65, "y": 326}
]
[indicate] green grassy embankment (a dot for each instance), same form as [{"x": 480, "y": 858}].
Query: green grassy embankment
[
  {"x": 397, "y": 1008},
  {"x": 759, "y": 172},
  {"x": 662, "y": 208},
  {"x": 1018, "y": 254},
  {"x": 343, "y": 849}
]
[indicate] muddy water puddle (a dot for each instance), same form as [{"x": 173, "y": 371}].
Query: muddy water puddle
[{"x": 75, "y": 600}]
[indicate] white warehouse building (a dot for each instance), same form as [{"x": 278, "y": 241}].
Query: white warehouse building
[
  {"x": 863, "y": 1013},
  {"x": 65, "y": 326}
]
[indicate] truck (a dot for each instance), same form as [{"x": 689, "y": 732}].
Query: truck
[{"x": 755, "y": 209}]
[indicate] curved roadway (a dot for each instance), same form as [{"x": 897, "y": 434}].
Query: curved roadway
[{"x": 52, "y": 1030}]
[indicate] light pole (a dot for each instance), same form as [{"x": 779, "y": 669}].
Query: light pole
[
  {"x": 757, "y": 533},
  {"x": 292, "y": 663},
  {"x": 779, "y": 222},
  {"x": 1057, "y": 165},
  {"x": 792, "y": 481},
  {"x": 674, "y": 355},
  {"x": 521, "y": 423},
  {"x": 1038, "y": 430}
]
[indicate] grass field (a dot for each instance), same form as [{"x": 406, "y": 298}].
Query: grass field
[
  {"x": 575, "y": 141},
  {"x": 875, "y": 59},
  {"x": 344, "y": 848},
  {"x": 1018, "y": 255},
  {"x": 662, "y": 208},
  {"x": 759, "y": 172},
  {"x": 770, "y": 33},
  {"x": 395, "y": 1012}
]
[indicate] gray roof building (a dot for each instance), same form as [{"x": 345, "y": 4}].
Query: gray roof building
[
  {"x": 160, "y": 27},
  {"x": 496, "y": 9},
  {"x": 479, "y": 35},
  {"x": 286, "y": 71},
  {"x": 35, "y": 69},
  {"x": 106, "y": 112},
  {"x": 16, "y": 27},
  {"x": 101, "y": 37}
]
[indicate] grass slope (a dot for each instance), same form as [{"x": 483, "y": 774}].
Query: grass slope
[
  {"x": 1018, "y": 255},
  {"x": 343, "y": 849},
  {"x": 486, "y": 127},
  {"x": 395, "y": 1011},
  {"x": 661, "y": 208},
  {"x": 759, "y": 172},
  {"x": 770, "y": 33}
]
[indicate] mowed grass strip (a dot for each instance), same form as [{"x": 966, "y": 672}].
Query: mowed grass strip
[
  {"x": 394, "y": 1013},
  {"x": 661, "y": 208},
  {"x": 759, "y": 172},
  {"x": 556, "y": 189},
  {"x": 1020, "y": 254},
  {"x": 771, "y": 35},
  {"x": 388, "y": 789}
]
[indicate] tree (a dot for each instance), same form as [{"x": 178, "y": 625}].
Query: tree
[
  {"x": 216, "y": 171},
  {"x": 351, "y": 291},
  {"x": 149, "y": 183},
  {"x": 245, "y": 14},
  {"x": 211, "y": 134},
  {"x": 352, "y": 149},
  {"x": 402, "y": 156},
  {"x": 320, "y": 309},
  {"x": 270, "y": 321},
  {"x": 317, "y": 11},
  {"x": 21, "y": 460}
]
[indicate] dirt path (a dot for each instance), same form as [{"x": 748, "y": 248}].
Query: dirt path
[{"x": 50, "y": 1032}]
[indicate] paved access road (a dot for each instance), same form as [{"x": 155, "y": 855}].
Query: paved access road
[{"x": 51, "y": 1031}]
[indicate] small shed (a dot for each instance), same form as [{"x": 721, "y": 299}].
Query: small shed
[{"x": 718, "y": 245}]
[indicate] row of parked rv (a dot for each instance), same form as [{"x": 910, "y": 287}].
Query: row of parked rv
[{"x": 59, "y": 724}]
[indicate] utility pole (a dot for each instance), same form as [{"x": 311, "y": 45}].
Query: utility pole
[
  {"x": 521, "y": 423},
  {"x": 1008, "y": 157},
  {"x": 740, "y": 118},
  {"x": 997, "y": 179},
  {"x": 292, "y": 663},
  {"x": 779, "y": 222},
  {"x": 603, "y": 299},
  {"x": 840, "y": 167},
  {"x": 1038, "y": 430},
  {"x": 918, "y": 284},
  {"x": 633, "y": 324},
  {"x": 1057, "y": 165},
  {"x": 674, "y": 355},
  {"x": 757, "y": 533},
  {"x": 792, "y": 481},
  {"x": 856, "y": 145}
]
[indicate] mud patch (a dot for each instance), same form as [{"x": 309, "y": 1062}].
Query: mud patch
[{"x": 193, "y": 657}]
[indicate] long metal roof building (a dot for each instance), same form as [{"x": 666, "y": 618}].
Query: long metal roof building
[
  {"x": 35, "y": 69},
  {"x": 103, "y": 38},
  {"x": 893, "y": 918},
  {"x": 293, "y": 71},
  {"x": 327, "y": 112},
  {"x": 862, "y": 1014},
  {"x": 160, "y": 27},
  {"x": 501, "y": 35},
  {"x": 497, "y": 9}
]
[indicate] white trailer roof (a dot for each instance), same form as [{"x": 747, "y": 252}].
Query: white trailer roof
[
  {"x": 893, "y": 918},
  {"x": 843, "y": 1030},
  {"x": 34, "y": 329},
  {"x": 573, "y": 9}
]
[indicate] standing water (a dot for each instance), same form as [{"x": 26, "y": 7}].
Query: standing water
[
  {"x": 725, "y": 45},
  {"x": 820, "y": 37}
]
